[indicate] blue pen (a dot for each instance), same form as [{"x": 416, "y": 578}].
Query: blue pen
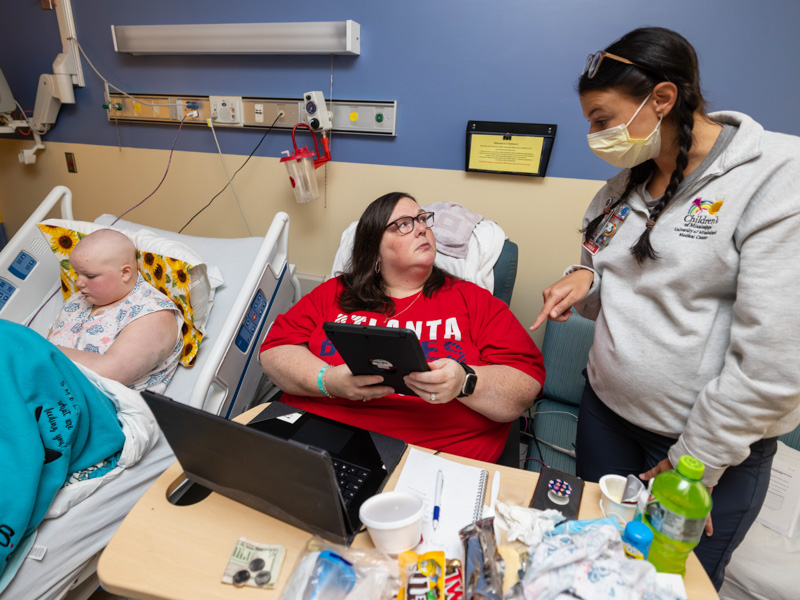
[{"x": 437, "y": 502}]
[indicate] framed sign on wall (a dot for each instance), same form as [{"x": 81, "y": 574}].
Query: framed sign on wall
[{"x": 509, "y": 148}]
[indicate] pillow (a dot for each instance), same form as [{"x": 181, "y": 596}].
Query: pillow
[
  {"x": 171, "y": 267},
  {"x": 202, "y": 284}
]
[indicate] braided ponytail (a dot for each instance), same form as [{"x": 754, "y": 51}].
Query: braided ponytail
[
  {"x": 660, "y": 55},
  {"x": 642, "y": 249}
]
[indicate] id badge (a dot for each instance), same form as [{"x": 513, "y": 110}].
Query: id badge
[{"x": 608, "y": 227}]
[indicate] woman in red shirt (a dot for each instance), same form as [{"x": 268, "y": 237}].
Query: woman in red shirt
[{"x": 484, "y": 368}]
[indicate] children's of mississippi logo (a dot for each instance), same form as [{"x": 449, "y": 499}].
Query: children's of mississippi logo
[
  {"x": 701, "y": 219},
  {"x": 700, "y": 206}
]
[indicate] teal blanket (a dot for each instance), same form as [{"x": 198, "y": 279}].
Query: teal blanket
[{"x": 54, "y": 422}]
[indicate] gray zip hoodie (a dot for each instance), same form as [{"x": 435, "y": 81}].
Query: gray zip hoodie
[{"x": 703, "y": 344}]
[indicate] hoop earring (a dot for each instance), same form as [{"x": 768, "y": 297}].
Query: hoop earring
[{"x": 377, "y": 267}]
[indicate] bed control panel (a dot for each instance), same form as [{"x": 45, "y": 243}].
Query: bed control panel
[
  {"x": 22, "y": 265},
  {"x": 251, "y": 321},
  {"x": 6, "y": 291}
]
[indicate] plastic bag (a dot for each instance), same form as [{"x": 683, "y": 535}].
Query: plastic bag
[
  {"x": 584, "y": 525},
  {"x": 483, "y": 565},
  {"x": 327, "y": 571}
]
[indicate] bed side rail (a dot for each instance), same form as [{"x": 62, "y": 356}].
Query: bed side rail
[
  {"x": 232, "y": 372},
  {"x": 28, "y": 268}
]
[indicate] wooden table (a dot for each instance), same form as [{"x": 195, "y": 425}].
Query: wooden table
[{"x": 163, "y": 551}]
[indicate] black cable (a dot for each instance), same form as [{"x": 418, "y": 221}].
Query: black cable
[
  {"x": 234, "y": 175},
  {"x": 532, "y": 433},
  {"x": 169, "y": 163}
]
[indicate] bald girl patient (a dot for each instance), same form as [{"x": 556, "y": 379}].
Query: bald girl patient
[{"x": 117, "y": 324}]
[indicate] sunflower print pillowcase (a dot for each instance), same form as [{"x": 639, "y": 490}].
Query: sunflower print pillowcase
[{"x": 171, "y": 276}]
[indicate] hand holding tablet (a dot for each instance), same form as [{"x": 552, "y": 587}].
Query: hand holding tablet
[{"x": 390, "y": 352}]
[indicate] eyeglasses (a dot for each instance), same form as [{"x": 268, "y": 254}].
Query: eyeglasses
[
  {"x": 405, "y": 225},
  {"x": 594, "y": 60}
]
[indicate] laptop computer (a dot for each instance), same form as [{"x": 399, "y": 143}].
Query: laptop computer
[{"x": 306, "y": 470}]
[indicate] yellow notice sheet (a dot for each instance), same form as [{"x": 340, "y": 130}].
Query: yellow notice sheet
[{"x": 520, "y": 154}]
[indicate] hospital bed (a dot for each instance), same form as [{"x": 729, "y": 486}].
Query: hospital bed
[{"x": 259, "y": 284}]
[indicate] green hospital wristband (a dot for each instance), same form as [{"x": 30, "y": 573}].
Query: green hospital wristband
[{"x": 321, "y": 381}]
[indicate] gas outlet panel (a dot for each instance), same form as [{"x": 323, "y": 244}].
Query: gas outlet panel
[
  {"x": 370, "y": 117},
  {"x": 226, "y": 110}
]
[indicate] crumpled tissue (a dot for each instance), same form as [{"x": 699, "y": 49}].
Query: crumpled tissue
[{"x": 528, "y": 525}]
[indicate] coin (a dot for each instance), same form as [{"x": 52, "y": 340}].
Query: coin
[
  {"x": 257, "y": 564},
  {"x": 240, "y": 577},
  {"x": 263, "y": 578}
]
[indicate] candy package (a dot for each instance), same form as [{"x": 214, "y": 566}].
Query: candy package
[
  {"x": 483, "y": 565},
  {"x": 453, "y": 580},
  {"x": 422, "y": 575},
  {"x": 327, "y": 571}
]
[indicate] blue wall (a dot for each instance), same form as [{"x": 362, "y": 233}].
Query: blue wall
[{"x": 444, "y": 61}]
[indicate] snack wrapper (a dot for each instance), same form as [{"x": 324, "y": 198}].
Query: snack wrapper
[
  {"x": 483, "y": 565},
  {"x": 454, "y": 580},
  {"x": 422, "y": 575}
]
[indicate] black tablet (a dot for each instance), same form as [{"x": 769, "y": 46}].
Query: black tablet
[{"x": 387, "y": 351}]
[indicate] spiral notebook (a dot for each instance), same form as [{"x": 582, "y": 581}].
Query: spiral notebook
[{"x": 461, "y": 503}]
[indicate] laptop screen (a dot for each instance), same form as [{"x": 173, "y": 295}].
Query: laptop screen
[{"x": 323, "y": 435}]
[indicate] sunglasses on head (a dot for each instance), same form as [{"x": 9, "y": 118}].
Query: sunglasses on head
[{"x": 594, "y": 60}]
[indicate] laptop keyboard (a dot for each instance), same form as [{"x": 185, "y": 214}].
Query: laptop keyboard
[{"x": 350, "y": 478}]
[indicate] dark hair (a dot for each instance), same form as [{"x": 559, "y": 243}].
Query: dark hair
[
  {"x": 663, "y": 55},
  {"x": 363, "y": 286}
]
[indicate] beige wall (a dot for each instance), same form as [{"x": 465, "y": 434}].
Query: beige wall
[{"x": 541, "y": 215}]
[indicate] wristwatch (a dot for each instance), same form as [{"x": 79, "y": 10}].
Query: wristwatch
[{"x": 470, "y": 381}]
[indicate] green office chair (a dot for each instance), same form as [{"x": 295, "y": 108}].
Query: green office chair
[
  {"x": 505, "y": 271},
  {"x": 555, "y": 415},
  {"x": 791, "y": 439},
  {"x": 505, "y": 275}
]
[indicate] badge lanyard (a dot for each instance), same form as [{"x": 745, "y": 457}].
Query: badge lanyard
[{"x": 608, "y": 227}]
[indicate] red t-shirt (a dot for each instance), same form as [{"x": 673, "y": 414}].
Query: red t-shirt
[{"x": 461, "y": 321}]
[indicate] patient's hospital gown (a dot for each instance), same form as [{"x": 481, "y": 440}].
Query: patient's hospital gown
[{"x": 75, "y": 328}]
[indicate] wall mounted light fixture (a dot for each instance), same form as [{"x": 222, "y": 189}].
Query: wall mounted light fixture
[{"x": 321, "y": 37}]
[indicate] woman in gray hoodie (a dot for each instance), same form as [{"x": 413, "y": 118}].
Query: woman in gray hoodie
[{"x": 686, "y": 269}]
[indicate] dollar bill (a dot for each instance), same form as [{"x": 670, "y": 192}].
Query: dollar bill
[{"x": 254, "y": 564}]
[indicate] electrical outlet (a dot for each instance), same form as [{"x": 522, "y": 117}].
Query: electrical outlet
[
  {"x": 290, "y": 113},
  {"x": 71, "y": 166}
]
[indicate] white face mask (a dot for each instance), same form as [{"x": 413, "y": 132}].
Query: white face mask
[{"x": 618, "y": 148}]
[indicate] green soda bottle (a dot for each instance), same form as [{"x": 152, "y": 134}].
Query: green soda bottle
[{"x": 677, "y": 514}]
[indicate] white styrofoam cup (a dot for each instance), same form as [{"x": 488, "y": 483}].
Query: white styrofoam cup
[{"x": 394, "y": 521}]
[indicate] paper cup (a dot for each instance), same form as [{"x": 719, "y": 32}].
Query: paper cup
[
  {"x": 612, "y": 488},
  {"x": 394, "y": 521}
]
